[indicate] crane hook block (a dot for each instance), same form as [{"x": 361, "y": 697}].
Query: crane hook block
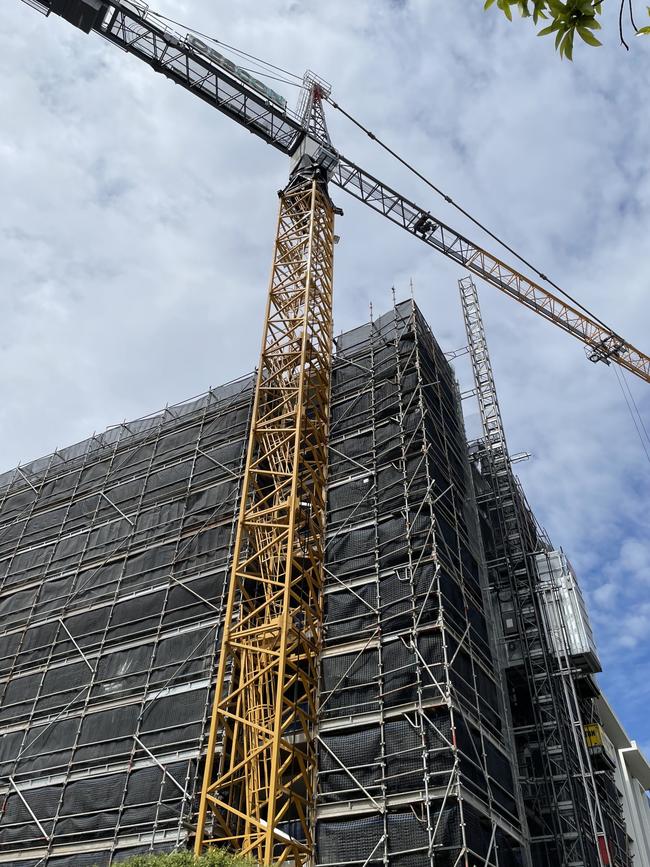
[{"x": 84, "y": 14}]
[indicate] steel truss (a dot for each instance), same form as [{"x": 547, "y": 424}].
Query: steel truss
[
  {"x": 259, "y": 797},
  {"x": 560, "y": 792}
]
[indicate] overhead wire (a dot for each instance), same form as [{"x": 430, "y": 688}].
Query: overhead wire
[
  {"x": 636, "y": 406},
  {"x": 411, "y": 168}
]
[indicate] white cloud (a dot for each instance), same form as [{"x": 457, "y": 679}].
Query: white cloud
[
  {"x": 635, "y": 559},
  {"x": 605, "y": 595},
  {"x": 136, "y": 233}
]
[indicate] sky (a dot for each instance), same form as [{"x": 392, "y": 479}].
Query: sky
[{"x": 137, "y": 224}]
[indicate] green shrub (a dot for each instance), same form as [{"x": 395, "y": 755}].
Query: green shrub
[{"x": 211, "y": 858}]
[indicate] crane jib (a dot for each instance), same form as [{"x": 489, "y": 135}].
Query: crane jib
[{"x": 603, "y": 344}]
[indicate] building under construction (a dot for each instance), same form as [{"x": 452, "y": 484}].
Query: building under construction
[
  {"x": 301, "y": 616},
  {"x": 458, "y": 716}
]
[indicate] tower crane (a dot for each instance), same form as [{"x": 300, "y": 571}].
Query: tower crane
[{"x": 258, "y": 787}]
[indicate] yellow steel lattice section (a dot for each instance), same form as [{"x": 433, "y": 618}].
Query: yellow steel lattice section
[{"x": 265, "y": 703}]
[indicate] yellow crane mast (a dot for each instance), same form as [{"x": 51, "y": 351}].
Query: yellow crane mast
[{"x": 258, "y": 788}]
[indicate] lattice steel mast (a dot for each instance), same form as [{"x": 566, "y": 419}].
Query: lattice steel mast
[{"x": 258, "y": 791}]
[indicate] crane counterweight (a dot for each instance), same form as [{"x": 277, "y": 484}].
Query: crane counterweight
[{"x": 83, "y": 14}]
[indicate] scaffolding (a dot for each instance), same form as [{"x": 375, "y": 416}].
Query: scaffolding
[
  {"x": 549, "y": 654},
  {"x": 414, "y": 761},
  {"x": 114, "y": 556},
  {"x": 114, "y": 562}
]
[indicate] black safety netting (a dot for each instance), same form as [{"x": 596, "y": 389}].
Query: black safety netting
[
  {"x": 113, "y": 561},
  {"x": 501, "y": 781},
  {"x": 353, "y": 552},
  {"x": 114, "y": 556},
  {"x": 407, "y": 667},
  {"x": 91, "y": 807},
  {"x": 102, "y": 858},
  {"x": 401, "y": 836},
  {"x": 405, "y": 755},
  {"x": 348, "y": 449},
  {"x": 351, "y": 613},
  {"x": 400, "y": 674},
  {"x": 399, "y": 604},
  {"x": 349, "y": 764},
  {"x": 349, "y": 683},
  {"x": 353, "y": 840}
]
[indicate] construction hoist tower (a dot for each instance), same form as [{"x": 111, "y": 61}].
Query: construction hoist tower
[
  {"x": 562, "y": 790},
  {"x": 260, "y": 769}
]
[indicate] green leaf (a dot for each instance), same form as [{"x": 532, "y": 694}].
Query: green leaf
[
  {"x": 537, "y": 14},
  {"x": 566, "y": 48},
  {"x": 488, "y": 3},
  {"x": 588, "y": 37},
  {"x": 556, "y": 8},
  {"x": 211, "y": 858},
  {"x": 546, "y": 31},
  {"x": 642, "y": 30}
]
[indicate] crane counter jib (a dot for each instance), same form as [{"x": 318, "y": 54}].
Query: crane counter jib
[{"x": 242, "y": 74}]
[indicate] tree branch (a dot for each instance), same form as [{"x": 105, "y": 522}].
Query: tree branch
[{"x": 620, "y": 25}]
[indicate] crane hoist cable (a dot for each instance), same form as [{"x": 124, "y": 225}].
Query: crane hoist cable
[
  {"x": 624, "y": 385},
  {"x": 636, "y": 407}
]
